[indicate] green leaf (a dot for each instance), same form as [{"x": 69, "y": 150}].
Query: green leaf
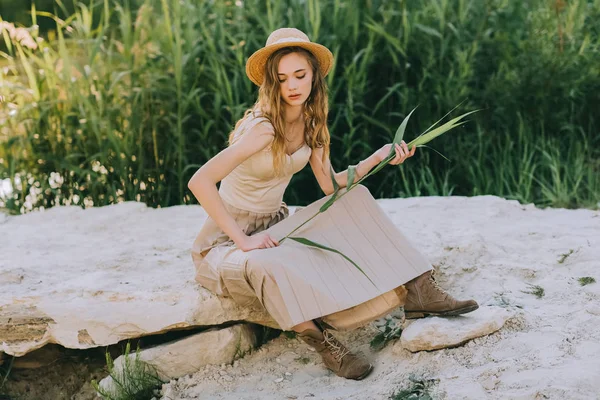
[
  {"x": 429, "y": 30},
  {"x": 443, "y": 156},
  {"x": 351, "y": 175},
  {"x": 309, "y": 242},
  {"x": 329, "y": 202},
  {"x": 336, "y": 187},
  {"x": 400, "y": 132},
  {"x": 378, "y": 342},
  {"x": 438, "y": 121},
  {"x": 426, "y": 138}
]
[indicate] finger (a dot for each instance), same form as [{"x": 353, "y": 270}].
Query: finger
[
  {"x": 397, "y": 158},
  {"x": 405, "y": 147},
  {"x": 402, "y": 153},
  {"x": 412, "y": 151}
]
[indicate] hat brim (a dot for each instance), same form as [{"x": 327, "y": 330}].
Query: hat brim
[{"x": 255, "y": 66}]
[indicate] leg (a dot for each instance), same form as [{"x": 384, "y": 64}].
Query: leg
[
  {"x": 425, "y": 297},
  {"x": 304, "y": 326}
]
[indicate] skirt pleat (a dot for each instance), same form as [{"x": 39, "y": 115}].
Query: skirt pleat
[{"x": 297, "y": 283}]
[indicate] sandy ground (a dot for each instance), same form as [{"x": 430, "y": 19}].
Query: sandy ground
[{"x": 486, "y": 248}]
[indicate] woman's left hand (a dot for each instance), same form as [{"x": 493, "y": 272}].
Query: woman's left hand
[{"x": 402, "y": 152}]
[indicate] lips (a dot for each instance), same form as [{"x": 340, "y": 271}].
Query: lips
[{"x": 294, "y": 97}]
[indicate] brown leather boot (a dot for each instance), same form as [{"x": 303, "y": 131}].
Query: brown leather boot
[
  {"x": 335, "y": 355},
  {"x": 425, "y": 297}
]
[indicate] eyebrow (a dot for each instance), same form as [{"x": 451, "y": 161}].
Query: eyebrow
[{"x": 298, "y": 70}]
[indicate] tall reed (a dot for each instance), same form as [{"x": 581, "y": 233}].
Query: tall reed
[{"x": 131, "y": 99}]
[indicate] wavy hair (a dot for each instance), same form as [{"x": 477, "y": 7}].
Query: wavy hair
[{"x": 271, "y": 106}]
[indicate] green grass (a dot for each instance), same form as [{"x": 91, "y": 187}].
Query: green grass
[
  {"x": 586, "y": 280},
  {"x": 303, "y": 360},
  {"x": 290, "y": 334},
  {"x": 391, "y": 331},
  {"x": 136, "y": 380},
  {"x": 535, "y": 290},
  {"x": 419, "y": 389},
  {"x": 130, "y": 100},
  {"x": 4, "y": 374},
  {"x": 564, "y": 256}
]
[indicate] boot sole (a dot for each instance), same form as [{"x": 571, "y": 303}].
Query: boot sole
[
  {"x": 367, "y": 372},
  {"x": 422, "y": 314}
]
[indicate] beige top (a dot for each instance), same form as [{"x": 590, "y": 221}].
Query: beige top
[{"x": 253, "y": 185}]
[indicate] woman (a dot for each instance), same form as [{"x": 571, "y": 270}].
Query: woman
[{"x": 307, "y": 290}]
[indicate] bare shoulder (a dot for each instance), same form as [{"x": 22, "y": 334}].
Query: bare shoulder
[
  {"x": 257, "y": 138},
  {"x": 250, "y": 142}
]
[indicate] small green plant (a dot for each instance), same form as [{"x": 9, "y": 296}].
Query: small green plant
[
  {"x": 390, "y": 332},
  {"x": 239, "y": 353},
  {"x": 586, "y": 280},
  {"x": 303, "y": 360},
  {"x": 536, "y": 290},
  {"x": 419, "y": 390},
  {"x": 134, "y": 379},
  {"x": 564, "y": 256},
  {"x": 4, "y": 373},
  {"x": 290, "y": 334}
]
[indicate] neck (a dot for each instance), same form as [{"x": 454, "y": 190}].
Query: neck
[{"x": 293, "y": 114}]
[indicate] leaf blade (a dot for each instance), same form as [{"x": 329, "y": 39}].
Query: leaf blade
[
  {"x": 351, "y": 175},
  {"x": 426, "y": 138},
  {"x": 308, "y": 242},
  {"x": 400, "y": 132}
]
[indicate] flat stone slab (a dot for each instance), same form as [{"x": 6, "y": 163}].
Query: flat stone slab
[
  {"x": 88, "y": 278},
  {"x": 434, "y": 333}
]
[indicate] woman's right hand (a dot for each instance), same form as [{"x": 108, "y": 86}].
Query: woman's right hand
[{"x": 259, "y": 241}]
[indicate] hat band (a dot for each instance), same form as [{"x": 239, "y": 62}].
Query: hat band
[{"x": 289, "y": 39}]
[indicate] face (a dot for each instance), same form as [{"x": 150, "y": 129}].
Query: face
[{"x": 295, "y": 78}]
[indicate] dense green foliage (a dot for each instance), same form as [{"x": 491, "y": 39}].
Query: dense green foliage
[
  {"x": 19, "y": 11},
  {"x": 129, "y": 107}
]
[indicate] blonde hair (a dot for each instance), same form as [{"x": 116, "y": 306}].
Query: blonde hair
[{"x": 271, "y": 106}]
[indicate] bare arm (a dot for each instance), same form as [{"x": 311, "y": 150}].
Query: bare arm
[
  {"x": 321, "y": 169},
  {"x": 204, "y": 182}
]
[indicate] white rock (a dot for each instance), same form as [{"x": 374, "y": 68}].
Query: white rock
[
  {"x": 437, "y": 333},
  {"x": 593, "y": 309},
  {"x": 278, "y": 380},
  {"x": 91, "y": 278},
  {"x": 186, "y": 356},
  {"x": 490, "y": 383}
]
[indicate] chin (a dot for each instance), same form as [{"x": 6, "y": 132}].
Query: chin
[{"x": 297, "y": 102}]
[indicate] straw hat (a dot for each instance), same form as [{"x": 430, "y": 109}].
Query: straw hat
[{"x": 286, "y": 37}]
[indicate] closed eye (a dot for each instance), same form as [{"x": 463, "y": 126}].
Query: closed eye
[{"x": 299, "y": 77}]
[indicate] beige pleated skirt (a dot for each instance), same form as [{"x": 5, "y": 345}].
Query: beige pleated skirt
[{"x": 296, "y": 283}]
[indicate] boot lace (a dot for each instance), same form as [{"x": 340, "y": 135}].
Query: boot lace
[
  {"x": 337, "y": 349},
  {"x": 435, "y": 284}
]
